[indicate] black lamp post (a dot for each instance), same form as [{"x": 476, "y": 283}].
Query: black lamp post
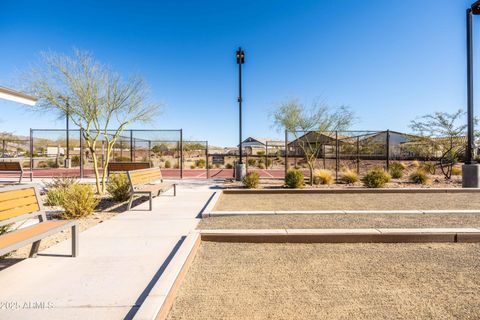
[
  {"x": 471, "y": 170},
  {"x": 474, "y": 10},
  {"x": 240, "y": 60}
]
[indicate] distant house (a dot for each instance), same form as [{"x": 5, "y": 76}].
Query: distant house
[
  {"x": 252, "y": 145},
  {"x": 326, "y": 142}
]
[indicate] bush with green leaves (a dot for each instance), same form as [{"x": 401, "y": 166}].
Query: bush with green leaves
[
  {"x": 349, "y": 176},
  {"x": 55, "y": 197},
  {"x": 79, "y": 201},
  {"x": 200, "y": 163},
  {"x": 419, "y": 177},
  {"x": 322, "y": 177},
  {"x": 75, "y": 161},
  {"x": 251, "y": 180},
  {"x": 396, "y": 169},
  {"x": 118, "y": 187},
  {"x": 229, "y": 166},
  {"x": 376, "y": 178},
  {"x": 251, "y": 162},
  {"x": 294, "y": 179},
  {"x": 168, "y": 164}
]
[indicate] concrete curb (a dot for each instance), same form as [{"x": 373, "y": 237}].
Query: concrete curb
[
  {"x": 380, "y": 235},
  {"x": 160, "y": 299},
  {"x": 352, "y": 190},
  {"x": 317, "y": 212},
  {"x": 212, "y": 203}
]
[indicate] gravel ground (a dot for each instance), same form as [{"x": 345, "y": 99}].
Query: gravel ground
[
  {"x": 348, "y": 201},
  {"x": 331, "y": 281},
  {"x": 341, "y": 221}
]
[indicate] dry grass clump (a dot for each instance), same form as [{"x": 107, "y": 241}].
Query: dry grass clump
[
  {"x": 396, "y": 170},
  {"x": 419, "y": 177},
  {"x": 322, "y": 177},
  {"x": 456, "y": 171},
  {"x": 251, "y": 180},
  {"x": 349, "y": 176}
]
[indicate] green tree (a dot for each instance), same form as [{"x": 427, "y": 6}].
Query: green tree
[
  {"x": 96, "y": 98},
  {"x": 300, "y": 120}
]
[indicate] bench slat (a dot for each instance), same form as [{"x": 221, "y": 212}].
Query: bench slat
[
  {"x": 11, "y": 213},
  {"x": 15, "y": 194},
  {"x": 10, "y": 166},
  {"x": 13, "y": 237},
  {"x": 17, "y": 203}
]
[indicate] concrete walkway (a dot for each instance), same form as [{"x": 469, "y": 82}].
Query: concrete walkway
[{"x": 120, "y": 260}]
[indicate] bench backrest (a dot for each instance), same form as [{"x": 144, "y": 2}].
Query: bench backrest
[
  {"x": 127, "y": 166},
  {"x": 20, "y": 203},
  {"x": 144, "y": 176},
  {"x": 10, "y": 166}
]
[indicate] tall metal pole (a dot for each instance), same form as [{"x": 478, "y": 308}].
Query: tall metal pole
[
  {"x": 67, "y": 116},
  {"x": 470, "y": 140},
  {"x": 240, "y": 111}
]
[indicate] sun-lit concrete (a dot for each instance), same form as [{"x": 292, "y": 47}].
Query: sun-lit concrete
[{"x": 119, "y": 262}]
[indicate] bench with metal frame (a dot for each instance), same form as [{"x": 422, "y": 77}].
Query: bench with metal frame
[
  {"x": 18, "y": 203},
  {"x": 14, "y": 166},
  {"x": 148, "y": 182},
  {"x": 114, "y": 167}
]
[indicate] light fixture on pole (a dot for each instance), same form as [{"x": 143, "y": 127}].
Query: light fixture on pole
[
  {"x": 240, "y": 169},
  {"x": 16, "y": 96},
  {"x": 470, "y": 170}
]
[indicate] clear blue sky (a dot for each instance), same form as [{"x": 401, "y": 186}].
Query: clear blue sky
[{"x": 389, "y": 60}]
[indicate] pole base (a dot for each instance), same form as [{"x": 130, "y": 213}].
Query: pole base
[
  {"x": 471, "y": 176},
  {"x": 68, "y": 163},
  {"x": 240, "y": 171}
]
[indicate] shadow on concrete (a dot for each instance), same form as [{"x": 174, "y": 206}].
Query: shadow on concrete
[{"x": 154, "y": 280}]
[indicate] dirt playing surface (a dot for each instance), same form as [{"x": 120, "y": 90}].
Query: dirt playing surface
[
  {"x": 348, "y": 201},
  {"x": 342, "y": 221},
  {"x": 331, "y": 281}
]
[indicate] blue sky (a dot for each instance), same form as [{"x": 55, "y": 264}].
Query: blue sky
[{"x": 390, "y": 61}]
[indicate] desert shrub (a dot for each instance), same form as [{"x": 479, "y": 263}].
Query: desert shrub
[
  {"x": 416, "y": 164},
  {"x": 251, "y": 180},
  {"x": 396, "y": 169},
  {"x": 294, "y": 179},
  {"x": 55, "y": 197},
  {"x": 119, "y": 187},
  {"x": 168, "y": 164},
  {"x": 376, "y": 178},
  {"x": 456, "y": 171},
  {"x": 75, "y": 161},
  {"x": 322, "y": 177},
  {"x": 261, "y": 153},
  {"x": 251, "y": 162},
  {"x": 62, "y": 182},
  {"x": 50, "y": 163},
  {"x": 261, "y": 166},
  {"x": 192, "y": 166},
  {"x": 419, "y": 176},
  {"x": 229, "y": 166},
  {"x": 79, "y": 201},
  {"x": 349, "y": 176},
  {"x": 429, "y": 167},
  {"x": 200, "y": 163},
  {"x": 269, "y": 162}
]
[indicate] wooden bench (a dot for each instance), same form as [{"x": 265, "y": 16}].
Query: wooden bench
[
  {"x": 19, "y": 203},
  {"x": 126, "y": 166},
  {"x": 149, "y": 182},
  {"x": 14, "y": 166}
]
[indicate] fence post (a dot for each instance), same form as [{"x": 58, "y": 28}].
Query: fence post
[
  {"x": 206, "y": 156},
  {"x": 31, "y": 154},
  {"x": 358, "y": 156},
  {"x": 181, "y": 153},
  {"x": 286, "y": 152},
  {"x": 3, "y": 148},
  {"x": 81, "y": 154},
  {"x": 266, "y": 155},
  {"x": 388, "y": 149},
  {"x": 131, "y": 146},
  {"x": 336, "y": 154}
]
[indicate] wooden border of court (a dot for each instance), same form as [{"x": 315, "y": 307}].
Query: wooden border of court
[{"x": 160, "y": 301}]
